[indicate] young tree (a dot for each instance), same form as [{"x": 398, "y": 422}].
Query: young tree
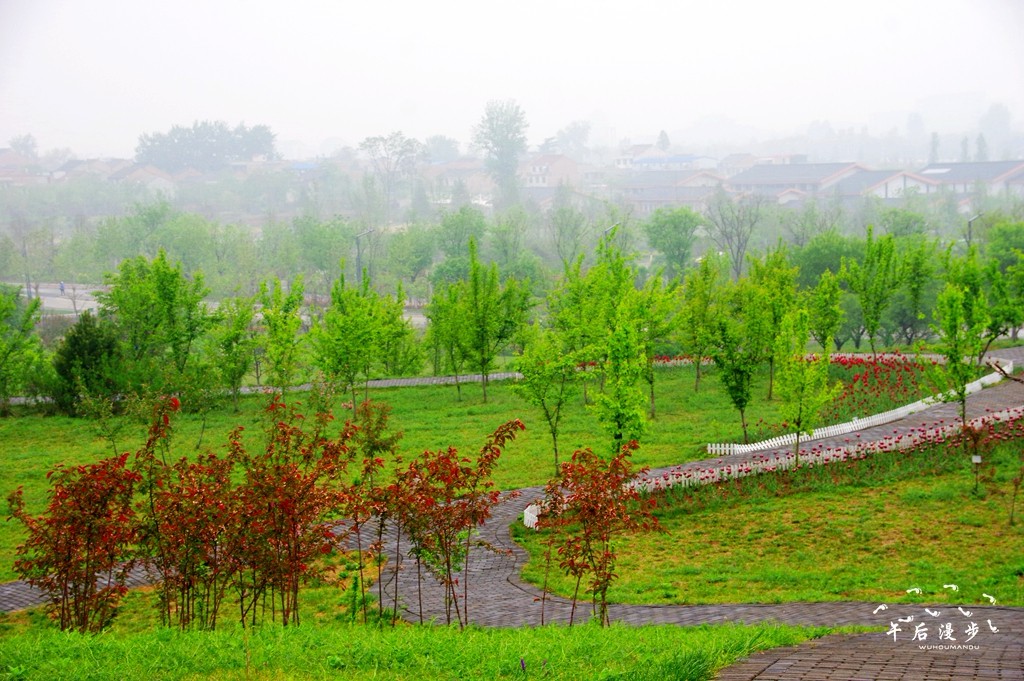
[
  {"x": 79, "y": 552},
  {"x": 740, "y": 343},
  {"x": 235, "y": 342},
  {"x": 960, "y": 324},
  {"x": 825, "y": 313},
  {"x": 18, "y": 342},
  {"x": 701, "y": 292},
  {"x": 501, "y": 134},
  {"x": 620, "y": 406},
  {"x": 777, "y": 280},
  {"x": 988, "y": 294},
  {"x": 673, "y": 232},
  {"x": 344, "y": 342},
  {"x": 160, "y": 314},
  {"x": 873, "y": 280},
  {"x": 446, "y": 332},
  {"x": 588, "y": 506},
  {"x": 281, "y": 319},
  {"x": 495, "y": 313},
  {"x": 657, "y": 319},
  {"x": 803, "y": 382},
  {"x": 550, "y": 377}
]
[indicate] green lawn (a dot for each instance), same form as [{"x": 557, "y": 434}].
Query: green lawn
[
  {"x": 431, "y": 417},
  {"x": 868, "y": 540},
  {"x": 410, "y": 652}
]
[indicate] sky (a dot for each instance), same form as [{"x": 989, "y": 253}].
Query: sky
[{"x": 94, "y": 75}]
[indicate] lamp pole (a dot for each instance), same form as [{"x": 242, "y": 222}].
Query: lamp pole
[{"x": 970, "y": 223}]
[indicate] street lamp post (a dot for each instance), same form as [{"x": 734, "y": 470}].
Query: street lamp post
[{"x": 970, "y": 223}]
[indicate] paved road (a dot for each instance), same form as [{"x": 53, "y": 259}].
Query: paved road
[{"x": 499, "y": 598}]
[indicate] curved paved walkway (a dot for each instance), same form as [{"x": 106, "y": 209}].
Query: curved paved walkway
[{"x": 499, "y": 598}]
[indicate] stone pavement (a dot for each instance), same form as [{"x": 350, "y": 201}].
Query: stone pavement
[{"x": 498, "y": 598}]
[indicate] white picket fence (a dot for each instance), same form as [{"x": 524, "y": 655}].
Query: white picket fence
[
  {"x": 789, "y": 439},
  {"x": 817, "y": 455}
]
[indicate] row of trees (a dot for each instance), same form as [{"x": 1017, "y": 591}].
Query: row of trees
[
  {"x": 248, "y": 528},
  {"x": 155, "y": 333},
  {"x": 530, "y": 243}
]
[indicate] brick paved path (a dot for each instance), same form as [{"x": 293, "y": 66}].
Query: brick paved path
[{"x": 499, "y": 598}]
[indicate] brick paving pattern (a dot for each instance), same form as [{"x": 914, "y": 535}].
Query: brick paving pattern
[{"x": 498, "y": 598}]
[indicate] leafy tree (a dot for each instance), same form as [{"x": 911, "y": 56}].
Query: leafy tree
[
  {"x": 824, "y": 251},
  {"x": 494, "y": 314},
  {"x": 657, "y": 319},
  {"x": 393, "y": 157},
  {"x": 25, "y": 145},
  {"x": 440, "y": 149},
  {"x": 803, "y": 382},
  {"x": 458, "y": 228},
  {"x": 980, "y": 148},
  {"x": 698, "y": 317},
  {"x": 568, "y": 227},
  {"x": 673, "y": 232},
  {"x": 87, "y": 363},
  {"x": 160, "y": 314},
  {"x": 620, "y": 405},
  {"x": 777, "y": 280},
  {"x": 825, "y": 310},
  {"x": 550, "y": 377},
  {"x": 411, "y": 252},
  {"x": 873, "y": 280},
  {"x": 18, "y": 342},
  {"x": 206, "y": 146},
  {"x": 740, "y": 343},
  {"x": 446, "y": 332},
  {"x": 399, "y": 351},
  {"x": 79, "y": 552},
  {"x": 852, "y": 326},
  {"x": 903, "y": 222},
  {"x": 988, "y": 294},
  {"x": 345, "y": 341},
  {"x": 910, "y": 311},
  {"x": 501, "y": 134},
  {"x": 235, "y": 342},
  {"x": 281, "y": 319},
  {"x": 572, "y": 139},
  {"x": 731, "y": 222},
  {"x": 571, "y": 315},
  {"x": 588, "y": 506},
  {"x": 663, "y": 142},
  {"x": 960, "y": 324},
  {"x": 1004, "y": 238},
  {"x": 814, "y": 219}
]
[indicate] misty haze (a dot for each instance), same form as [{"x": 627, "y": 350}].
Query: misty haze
[{"x": 724, "y": 298}]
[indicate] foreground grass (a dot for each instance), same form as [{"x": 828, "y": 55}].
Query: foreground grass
[
  {"x": 583, "y": 652},
  {"x": 865, "y": 531}
]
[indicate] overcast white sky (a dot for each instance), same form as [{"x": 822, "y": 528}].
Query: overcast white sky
[{"x": 95, "y": 74}]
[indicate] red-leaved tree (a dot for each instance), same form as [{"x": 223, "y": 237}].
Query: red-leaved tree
[
  {"x": 80, "y": 551},
  {"x": 587, "y": 506}
]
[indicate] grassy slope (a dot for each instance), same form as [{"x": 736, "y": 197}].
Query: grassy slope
[
  {"x": 836, "y": 542},
  {"x": 431, "y": 417}
]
